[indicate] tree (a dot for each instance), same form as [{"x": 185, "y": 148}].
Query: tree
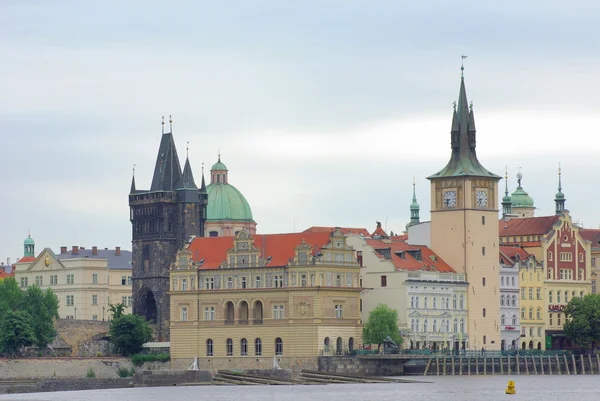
[
  {"x": 582, "y": 324},
  {"x": 15, "y": 332},
  {"x": 42, "y": 306},
  {"x": 383, "y": 322},
  {"x": 10, "y": 295},
  {"x": 129, "y": 332},
  {"x": 117, "y": 310}
]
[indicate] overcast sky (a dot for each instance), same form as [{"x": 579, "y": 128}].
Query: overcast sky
[{"x": 323, "y": 111}]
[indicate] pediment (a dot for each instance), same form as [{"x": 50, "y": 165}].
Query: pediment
[
  {"x": 46, "y": 260},
  {"x": 416, "y": 314}
]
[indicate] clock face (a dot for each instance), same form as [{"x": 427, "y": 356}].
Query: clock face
[
  {"x": 482, "y": 199},
  {"x": 450, "y": 199}
]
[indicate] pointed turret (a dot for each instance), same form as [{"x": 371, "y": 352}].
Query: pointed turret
[
  {"x": 167, "y": 171},
  {"x": 463, "y": 161},
  {"x": 203, "y": 185},
  {"x": 187, "y": 178},
  {"x": 414, "y": 209},
  {"x": 132, "y": 190},
  {"x": 560, "y": 199},
  {"x": 506, "y": 200}
]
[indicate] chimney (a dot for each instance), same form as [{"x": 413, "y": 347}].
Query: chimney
[
  {"x": 118, "y": 251},
  {"x": 63, "y": 249},
  {"x": 94, "y": 250},
  {"x": 81, "y": 248},
  {"x": 75, "y": 250}
]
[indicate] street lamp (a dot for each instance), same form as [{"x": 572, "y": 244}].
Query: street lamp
[
  {"x": 75, "y": 313},
  {"x": 102, "y": 313}
]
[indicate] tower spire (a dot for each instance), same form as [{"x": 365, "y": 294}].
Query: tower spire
[
  {"x": 559, "y": 200},
  {"x": 187, "y": 177},
  {"x": 170, "y": 124},
  {"x": 163, "y": 124},
  {"x": 203, "y": 185},
  {"x": 132, "y": 190},
  {"x": 506, "y": 199},
  {"x": 414, "y": 208}
]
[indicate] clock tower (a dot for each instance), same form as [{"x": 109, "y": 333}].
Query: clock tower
[{"x": 464, "y": 225}]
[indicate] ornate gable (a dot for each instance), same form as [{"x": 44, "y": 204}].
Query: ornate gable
[
  {"x": 46, "y": 260},
  {"x": 243, "y": 253}
]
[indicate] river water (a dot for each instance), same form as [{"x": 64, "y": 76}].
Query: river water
[{"x": 471, "y": 388}]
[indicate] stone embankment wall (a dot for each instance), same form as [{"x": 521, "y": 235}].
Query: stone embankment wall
[
  {"x": 85, "y": 337},
  {"x": 45, "y": 368},
  {"x": 246, "y": 363},
  {"x": 351, "y": 365},
  {"x": 172, "y": 377}
]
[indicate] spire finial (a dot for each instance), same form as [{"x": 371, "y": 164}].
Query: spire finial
[
  {"x": 134, "y": 169},
  {"x": 29, "y": 233},
  {"x": 462, "y": 65},
  {"x": 187, "y": 149},
  {"x": 219, "y": 154},
  {"x": 163, "y": 124},
  {"x": 559, "y": 179},
  {"x": 202, "y": 168},
  {"x": 506, "y": 180},
  {"x": 170, "y": 123}
]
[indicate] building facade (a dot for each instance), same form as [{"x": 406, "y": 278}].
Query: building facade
[
  {"x": 510, "y": 325},
  {"x": 163, "y": 219},
  {"x": 85, "y": 281},
  {"x": 464, "y": 212},
  {"x": 251, "y": 300},
  {"x": 593, "y": 236}
]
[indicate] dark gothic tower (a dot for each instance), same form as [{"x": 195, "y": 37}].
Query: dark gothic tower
[{"x": 163, "y": 219}]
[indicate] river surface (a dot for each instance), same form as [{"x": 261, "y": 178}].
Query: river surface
[{"x": 471, "y": 388}]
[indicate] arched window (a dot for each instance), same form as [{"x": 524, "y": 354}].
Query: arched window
[
  {"x": 550, "y": 318},
  {"x": 514, "y": 320},
  {"x": 435, "y": 326},
  {"x": 278, "y": 346},
  {"x": 339, "y": 346},
  {"x": 522, "y": 313},
  {"x": 447, "y": 325},
  {"x": 425, "y": 326},
  {"x": 514, "y": 300},
  {"x": 454, "y": 304},
  {"x": 455, "y": 325},
  {"x": 229, "y": 347},
  {"x": 550, "y": 256},
  {"x": 258, "y": 347},
  {"x": 462, "y": 302},
  {"x": 412, "y": 302},
  {"x": 502, "y": 320},
  {"x": 244, "y": 347},
  {"x": 351, "y": 345},
  {"x": 512, "y": 281},
  {"x": 530, "y": 313},
  {"x": 447, "y": 303},
  {"x": 550, "y": 296},
  {"x": 326, "y": 344},
  {"x": 209, "y": 347},
  {"x": 229, "y": 312},
  {"x": 243, "y": 312},
  {"x": 502, "y": 281},
  {"x": 257, "y": 311},
  {"x": 501, "y": 300},
  {"x": 462, "y": 325},
  {"x": 538, "y": 314}
]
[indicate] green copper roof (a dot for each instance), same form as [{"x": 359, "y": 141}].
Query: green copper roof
[
  {"x": 225, "y": 202},
  {"x": 218, "y": 166},
  {"x": 463, "y": 162},
  {"x": 506, "y": 198},
  {"x": 520, "y": 198},
  {"x": 29, "y": 241}
]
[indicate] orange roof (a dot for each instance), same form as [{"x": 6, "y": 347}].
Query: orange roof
[
  {"x": 344, "y": 230},
  {"x": 280, "y": 247},
  {"x": 379, "y": 232},
  {"x": 4, "y": 274},
  {"x": 402, "y": 237},
  {"x": 508, "y": 253},
  {"x": 591, "y": 235},
  {"x": 528, "y": 226},
  {"x": 392, "y": 250},
  {"x": 26, "y": 259}
]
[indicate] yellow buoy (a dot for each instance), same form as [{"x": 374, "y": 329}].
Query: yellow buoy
[{"x": 510, "y": 389}]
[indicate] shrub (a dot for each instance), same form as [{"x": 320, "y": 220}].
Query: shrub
[
  {"x": 90, "y": 373},
  {"x": 129, "y": 332},
  {"x": 124, "y": 372},
  {"x": 139, "y": 359}
]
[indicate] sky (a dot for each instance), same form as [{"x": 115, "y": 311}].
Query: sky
[{"x": 323, "y": 111}]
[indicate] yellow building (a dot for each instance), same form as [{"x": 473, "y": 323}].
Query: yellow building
[
  {"x": 86, "y": 281},
  {"x": 593, "y": 236},
  {"x": 532, "y": 303},
  {"x": 464, "y": 211},
  {"x": 250, "y": 301}
]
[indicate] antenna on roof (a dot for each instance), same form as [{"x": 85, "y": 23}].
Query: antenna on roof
[{"x": 385, "y": 228}]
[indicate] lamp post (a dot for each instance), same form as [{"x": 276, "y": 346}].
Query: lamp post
[
  {"x": 75, "y": 313},
  {"x": 102, "y": 313}
]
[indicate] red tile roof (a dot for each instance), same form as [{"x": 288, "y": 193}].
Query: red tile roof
[
  {"x": 379, "y": 232},
  {"x": 4, "y": 274},
  {"x": 429, "y": 260},
  {"x": 26, "y": 259},
  {"x": 528, "y": 226},
  {"x": 280, "y": 247},
  {"x": 344, "y": 230},
  {"x": 508, "y": 253},
  {"x": 402, "y": 237},
  {"x": 591, "y": 235}
]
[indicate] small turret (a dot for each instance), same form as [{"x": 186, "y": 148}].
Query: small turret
[
  {"x": 506, "y": 200},
  {"x": 560, "y": 199},
  {"x": 414, "y": 209},
  {"x": 29, "y": 246}
]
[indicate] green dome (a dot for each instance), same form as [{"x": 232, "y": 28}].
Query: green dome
[
  {"x": 520, "y": 198},
  {"x": 506, "y": 199},
  {"x": 560, "y": 195},
  {"x": 414, "y": 205},
  {"x": 225, "y": 202},
  {"x": 219, "y": 166},
  {"x": 29, "y": 241}
]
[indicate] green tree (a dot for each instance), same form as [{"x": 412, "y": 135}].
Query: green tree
[
  {"x": 117, "y": 310},
  {"x": 15, "y": 332},
  {"x": 383, "y": 322},
  {"x": 42, "y": 306},
  {"x": 582, "y": 324},
  {"x": 129, "y": 332},
  {"x": 10, "y": 295}
]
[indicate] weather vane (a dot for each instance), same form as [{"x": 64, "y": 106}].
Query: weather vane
[{"x": 462, "y": 64}]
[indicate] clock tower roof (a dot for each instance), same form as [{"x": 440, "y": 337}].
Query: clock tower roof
[{"x": 463, "y": 161}]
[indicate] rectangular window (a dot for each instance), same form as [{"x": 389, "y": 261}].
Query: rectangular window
[
  {"x": 384, "y": 281},
  {"x": 338, "y": 280},
  {"x": 303, "y": 281},
  {"x": 244, "y": 283},
  {"x": 530, "y": 293},
  {"x": 129, "y": 280},
  {"x": 538, "y": 293},
  {"x": 278, "y": 281},
  {"x": 484, "y": 312},
  {"x": 70, "y": 300},
  {"x": 23, "y": 281},
  {"x": 229, "y": 282},
  {"x": 123, "y": 280},
  {"x": 483, "y": 281},
  {"x": 94, "y": 317},
  {"x": 54, "y": 279},
  {"x": 129, "y": 301},
  {"x": 483, "y": 220},
  {"x": 70, "y": 279},
  {"x": 209, "y": 283},
  {"x": 95, "y": 278},
  {"x": 483, "y": 250},
  {"x": 38, "y": 281},
  {"x": 522, "y": 293},
  {"x": 209, "y": 313},
  {"x": 257, "y": 283},
  {"x": 339, "y": 312},
  {"x": 278, "y": 312},
  {"x": 484, "y": 339},
  {"x": 94, "y": 299},
  {"x": 124, "y": 300},
  {"x": 184, "y": 314},
  {"x": 593, "y": 261},
  {"x": 361, "y": 305},
  {"x": 184, "y": 284}
]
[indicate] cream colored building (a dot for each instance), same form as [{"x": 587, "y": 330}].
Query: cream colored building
[
  {"x": 428, "y": 295},
  {"x": 86, "y": 281},
  {"x": 464, "y": 231},
  {"x": 593, "y": 236},
  {"x": 251, "y": 300}
]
